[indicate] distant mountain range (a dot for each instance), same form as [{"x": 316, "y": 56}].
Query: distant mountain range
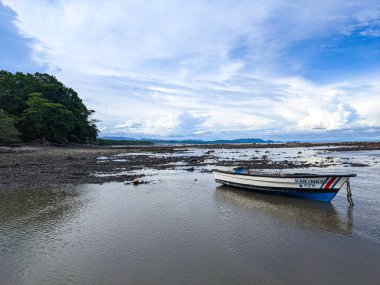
[{"x": 160, "y": 141}]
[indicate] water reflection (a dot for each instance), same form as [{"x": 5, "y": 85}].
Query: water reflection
[
  {"x": 39, "y": 205},
  {"x": 30, "y": 219},
  {"x": 307, "y": 214}
]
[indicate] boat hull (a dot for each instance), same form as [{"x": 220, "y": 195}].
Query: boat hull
[
  {"x": 324, "y": 197},
  {"x": 313, "y": 187}
]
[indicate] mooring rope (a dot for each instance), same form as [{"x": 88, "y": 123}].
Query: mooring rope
[{"x": 349, "y": 193}]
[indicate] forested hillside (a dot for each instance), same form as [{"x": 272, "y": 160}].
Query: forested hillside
[{"x": 37, "y": 107}]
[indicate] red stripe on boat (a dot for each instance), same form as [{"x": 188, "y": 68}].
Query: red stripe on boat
[{"x": 330, "y": 182}]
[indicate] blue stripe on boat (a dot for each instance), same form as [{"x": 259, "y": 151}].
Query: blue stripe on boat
[
  {"x": 332, "y": 187},
  {"x": 324, "y": 182}
]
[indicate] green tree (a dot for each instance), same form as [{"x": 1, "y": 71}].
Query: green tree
[
  {"x": 8, "y": 131},
  {"x": 45, "y": 120},
  {"x": 14, "y": 95},
  {"x": 12, "y": 99}
]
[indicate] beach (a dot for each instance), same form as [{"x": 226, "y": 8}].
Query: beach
[{"x": 70, "y": 215}]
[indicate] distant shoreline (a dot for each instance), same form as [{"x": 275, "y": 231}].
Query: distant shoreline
[{"x": 361, "y": 145}]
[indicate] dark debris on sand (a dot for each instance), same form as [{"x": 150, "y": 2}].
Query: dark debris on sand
[{"x": 36, "y": 165}]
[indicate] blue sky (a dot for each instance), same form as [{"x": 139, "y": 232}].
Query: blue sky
[{"x": 306, "y": 70}]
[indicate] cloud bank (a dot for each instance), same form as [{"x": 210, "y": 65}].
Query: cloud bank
[{"x": 207, "y": 69}]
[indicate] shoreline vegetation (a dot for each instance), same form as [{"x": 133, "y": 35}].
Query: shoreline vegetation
[
  {"x": 39, "y": 108},
  {"x": 36, "y": 165}
]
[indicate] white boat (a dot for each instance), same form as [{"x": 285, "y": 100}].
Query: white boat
[{"x": 320, "y": 187}]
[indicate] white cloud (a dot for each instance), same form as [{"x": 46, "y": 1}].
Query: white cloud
[
  {"x": 161, "y": 126},
  {"x": 179, "y": 38},
  {"x": 335, "y": 117},
  {"x": 169, "y": 68}
]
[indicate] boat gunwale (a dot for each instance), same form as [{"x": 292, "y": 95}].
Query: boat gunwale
[{"x": 303, "y": 175}]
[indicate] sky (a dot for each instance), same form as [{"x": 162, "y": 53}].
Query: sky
[{"x": 270, "y": 69}]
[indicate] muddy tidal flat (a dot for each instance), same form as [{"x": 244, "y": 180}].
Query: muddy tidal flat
[
  {"x": 34, "y": 165},
  {"x": 68, "y": 215}
]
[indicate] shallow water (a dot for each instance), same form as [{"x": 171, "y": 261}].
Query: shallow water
[{"x": 183, "y": 228}]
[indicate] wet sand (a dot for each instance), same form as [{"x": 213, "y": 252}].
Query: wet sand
[{"x": 36, "y": 165}]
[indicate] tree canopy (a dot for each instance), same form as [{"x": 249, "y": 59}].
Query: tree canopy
[{"x": 41, "y": 108}]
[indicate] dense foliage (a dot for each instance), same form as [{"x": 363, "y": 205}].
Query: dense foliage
[
  {"x": 8, "y": 131},
  {"x": 41, "y": 108}
]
